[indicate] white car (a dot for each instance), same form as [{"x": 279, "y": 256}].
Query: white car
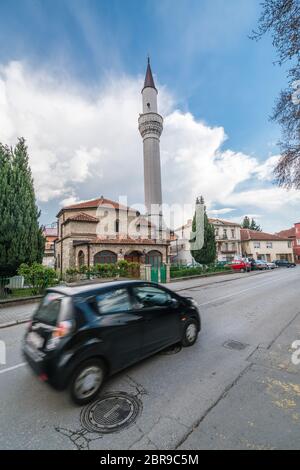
[{"x": 271, "y": 265}]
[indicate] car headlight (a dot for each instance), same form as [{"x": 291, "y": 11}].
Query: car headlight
[{"x": 194, "y": 303}]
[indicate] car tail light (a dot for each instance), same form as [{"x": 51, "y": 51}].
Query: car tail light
[
  {"x": 63, "y": 328},
  {"x": 60, "y": 331}
]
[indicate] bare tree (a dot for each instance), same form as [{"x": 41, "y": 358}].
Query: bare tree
[{"x": 281, "y": 18}]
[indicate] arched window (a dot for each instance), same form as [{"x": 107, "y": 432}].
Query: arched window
[
  {"x": 117, "y": 225},
  {"x": 154, "y": 258},
  {"x": 133, "y": 257},
  {"x": 80, "y": 258},
  {"x": 103, "y": 257}
]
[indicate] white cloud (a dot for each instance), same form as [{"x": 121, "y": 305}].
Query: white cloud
[
  {"x": 85, "y": 142},
  {"x": 265, "y": 171},
  {"x": 218, "y": 212}
]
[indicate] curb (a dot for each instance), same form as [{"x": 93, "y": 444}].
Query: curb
[
  {"x": 13, "y": 323},
  {"x": 216, "y": 282},
  {"x": 175, "y": 279},
  {"x": 19, "y": 301}
]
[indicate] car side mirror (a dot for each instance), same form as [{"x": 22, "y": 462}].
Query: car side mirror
[{"x": 173, "y": 303}]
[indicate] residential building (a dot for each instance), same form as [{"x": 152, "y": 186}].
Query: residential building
[
  {"x": 266, "y": 246},
  {"x": 228, "y": 241},
  {"x": 180, "y": 245},
  {"x": 50, "y": 234},
  {"x": 293, "y": 234}
]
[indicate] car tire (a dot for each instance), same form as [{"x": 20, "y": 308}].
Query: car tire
[
  {"x": 242, "y": 270},
  {"x": 190, "y": 333},
  {"x": 93, "y": 373}
]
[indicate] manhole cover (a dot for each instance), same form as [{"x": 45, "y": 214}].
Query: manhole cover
[
  {"x": 176, "y": 348},
  {"x": 111, "y": 413},
  {"x": 231, "y": 344}
]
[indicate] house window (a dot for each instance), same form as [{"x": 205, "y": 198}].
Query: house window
[
  {"x": 256, "y": 244},
  {"x": 269, "y": 244},
  {"x": 117, "y": 225},
  {"x": 224, "y": 233},
  {"x": 105, "y": 257},
  {"x": 298, "y": 241},
  {"x": 217, "y": 232},
  {"x": 232, "y": 232},
  {"x": 289, "y": 244}
]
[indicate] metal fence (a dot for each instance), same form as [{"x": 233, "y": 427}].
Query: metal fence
[{"x": 9, "y": 284}]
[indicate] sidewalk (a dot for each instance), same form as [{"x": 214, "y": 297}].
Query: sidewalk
[{"x": 261, "y": 409}]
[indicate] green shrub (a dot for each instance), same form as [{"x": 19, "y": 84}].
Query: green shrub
[
  {"x": 38, "y": 277},
  {"x": 176, "y": 271}
]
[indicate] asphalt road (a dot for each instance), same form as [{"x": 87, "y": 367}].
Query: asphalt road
[{"x": 206, "y": 396}]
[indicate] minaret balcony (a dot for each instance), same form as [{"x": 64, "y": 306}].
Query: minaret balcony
[{"x": 150, "y": 123}]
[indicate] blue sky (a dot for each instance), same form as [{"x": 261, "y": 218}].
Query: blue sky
[{"x": 201, "y": 56}]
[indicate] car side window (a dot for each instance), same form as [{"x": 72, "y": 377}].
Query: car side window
[
  {"x": 150, "y": 296},
  {"x": 113, "y": 301}
]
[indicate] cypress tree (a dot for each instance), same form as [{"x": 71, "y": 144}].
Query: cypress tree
[
  {"x": 22, "y": 240},
  {"x": 6, "y": 212},
  {"x": 255, "y": 226},
  {"x": 246, "y": 222},
  {"x": 207, "y": 254}
]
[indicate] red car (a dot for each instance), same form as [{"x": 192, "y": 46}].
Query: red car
[{"x": 241, "y": 265}]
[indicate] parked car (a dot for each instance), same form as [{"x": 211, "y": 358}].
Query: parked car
[
  {"x": 79, "y": 336},
  {"x": 258, "y": 264},
  {"x": 241, "y": 265},
  {"x": 284, "y": 263},
  {"x": 263, "y": 264},
  {"x": 271, "y": 265}
]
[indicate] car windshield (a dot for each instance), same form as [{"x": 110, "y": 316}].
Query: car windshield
[{"x": 49, "y": 309}]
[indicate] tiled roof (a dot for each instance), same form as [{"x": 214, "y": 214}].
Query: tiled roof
[
  {"x": 125, "y": 240},
  {"x": 94, "y": 203},
  {"x": 289, "y": 233},
  {"x": 50, "y": 232},
  {"x": 81, "y": 217},
  {"x": 247, "y": 234},
  {"x": 222, "y": 222}
]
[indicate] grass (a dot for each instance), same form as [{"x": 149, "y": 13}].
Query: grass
[{"x": 17, "y": 293}]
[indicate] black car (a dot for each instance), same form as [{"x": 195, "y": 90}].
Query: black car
[
  {"x": 284, "y": 263},
  {"x": 80, "y": 335}
]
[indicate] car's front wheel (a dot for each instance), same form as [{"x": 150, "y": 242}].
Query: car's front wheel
[
  {"x": 190, "y": 333},
  {"x": 87, "y": 381}
]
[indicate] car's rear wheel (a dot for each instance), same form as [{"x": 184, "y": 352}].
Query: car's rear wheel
[
  {"x": 190, "y": 333},
  {"x": 87, "y": 381}
]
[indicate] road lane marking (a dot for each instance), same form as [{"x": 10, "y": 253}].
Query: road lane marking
[
  {"x": 22, "y": 364},
  {"x": 241, "y": 291}
]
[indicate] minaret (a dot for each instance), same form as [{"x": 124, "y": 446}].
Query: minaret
[{"x": 150, "y": 127}]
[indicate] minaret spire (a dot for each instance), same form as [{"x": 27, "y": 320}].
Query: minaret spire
[{"x": 149, "y": 82}]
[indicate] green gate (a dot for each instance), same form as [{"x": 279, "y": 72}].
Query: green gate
[{"x": 159, "y": 273}]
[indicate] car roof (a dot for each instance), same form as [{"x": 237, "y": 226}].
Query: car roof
[{"x": 90, "y": 288}]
